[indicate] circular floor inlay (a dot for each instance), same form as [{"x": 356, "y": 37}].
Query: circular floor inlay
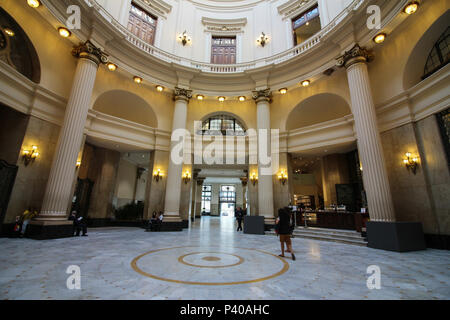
[
  {"x": 211, "y": 259},
  {"x": 209, "y": 268}
]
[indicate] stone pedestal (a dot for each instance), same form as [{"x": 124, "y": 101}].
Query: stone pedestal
[{"x": 395, "y": 236}]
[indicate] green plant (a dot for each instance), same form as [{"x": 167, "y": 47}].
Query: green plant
[{"x": 130, "y": 211}]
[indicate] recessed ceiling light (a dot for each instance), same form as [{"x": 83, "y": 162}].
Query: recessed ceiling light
[
  {"x": 241, "y": 98},
  {"x": 379, "y": 38},
  {"x": 283, "y": 90},
  {"x": 112, "y": 67},
  {"x": 411, "y": 7},
  {"x": 64, "y": 32},
  {"x": 306, "y": 83},
  {"x": 34, "y": 3},
  {"x": 160, "y": 88},
  {"x": 137, "y": 79},
  {"x": 9, "y": 32},
  {"x": 200, "y": 97},
  {"x": 221, "y": 99}
]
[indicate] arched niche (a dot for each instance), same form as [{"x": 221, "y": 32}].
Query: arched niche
[
  {"x": 16, "y": 48},
  {"x": 126, "y": 105},
  {"x": 317, "y": 109},
  {"x": 414, "y": 69}
]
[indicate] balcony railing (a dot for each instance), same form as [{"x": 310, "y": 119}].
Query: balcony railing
[{"x": 224, "y": 68}]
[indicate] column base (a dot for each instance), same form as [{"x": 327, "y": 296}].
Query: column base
[
  {"x": 395, "y": 236},
  {"x": 169, "y": 226},
  {"x": 43, "y": 230},
  {"x": 269, "y": 223}
]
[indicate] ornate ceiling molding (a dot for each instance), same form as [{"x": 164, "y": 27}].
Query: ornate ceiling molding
[
  {"x": 224, "y": 26},
  {"x": 292, "y": 8},
  {"x": 156, "y": 7}
]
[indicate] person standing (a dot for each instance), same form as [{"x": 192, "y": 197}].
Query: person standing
[
  {"x": 239, "y": 216},
  {"x": 284, "y": 230}
]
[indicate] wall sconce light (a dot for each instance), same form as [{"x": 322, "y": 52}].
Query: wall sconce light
[
  {"x": 64, "y": 32},
  {"x": 78, "y": 164},
  {"x": 282, "y": 176},
  {"x": 157, "y": 175},
  {"x": 283, "y": 90},
  {"x": 306, "y": 83},
  {"x": 9, "y": 32},
  {"x": 184, "y": 38},
  {"x": 112, "y": 66},
  {"x": 379, "y": 38},
  {"x": 254, "y": 179},
  {"x": 186, "y": 177},
  {"x": 33, "y": 3},
  {"x": 200, "y": 97},
  {"x": 411, "y": 162},
  {"x": 263, "y": 39},
  {"x": 137, "y": 79},
  {"x": 241, "y": 98},
  {"x": 221, "y": 99},
  {"x": 30, "y": 155},
  {"x": 160, "y": 88}
]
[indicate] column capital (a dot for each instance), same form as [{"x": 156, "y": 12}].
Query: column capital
[
  {"x": 88, "y": 50},
  {"x": 182, "y": 94},
  {"x": 262, "y": 95},
  {"x": 355, "y": 55},
  {"x": 200, "y": 181}
]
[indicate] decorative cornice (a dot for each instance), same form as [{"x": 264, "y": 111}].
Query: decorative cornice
[
  {"x": 262, "y": 95},
  {"x": 293, "y": 8},
  {"x": 200, "y": 181},
  {"x": 182, "y": 94},
  {"x": 244, "y": 181},
  {"x": 89, "y": 51},
  {"x": 156, "y": 7},
  {"x": 355, "y": 55},
  {"x": 224, "y": 26}
]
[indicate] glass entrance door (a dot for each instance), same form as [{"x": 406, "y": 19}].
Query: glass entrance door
[{"x": 227, "y": 199}]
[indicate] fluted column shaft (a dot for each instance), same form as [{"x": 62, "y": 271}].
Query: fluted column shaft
[
  {"x": 375, "y": 178},
  {"x": 175, "y": 170},
  {"x": 58, "y": 190},
  {"x": 265, "y": 183}
]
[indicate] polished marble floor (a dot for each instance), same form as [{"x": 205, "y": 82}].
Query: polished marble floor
[{"x": 212, "y": 261}]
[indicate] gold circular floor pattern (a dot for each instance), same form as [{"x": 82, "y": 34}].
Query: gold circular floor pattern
[{"x": 181, "y": 260}]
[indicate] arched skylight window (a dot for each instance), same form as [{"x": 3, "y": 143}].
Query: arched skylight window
[
  {"x": 439, "y": 55},
  {"x": 222, "y": 125}
]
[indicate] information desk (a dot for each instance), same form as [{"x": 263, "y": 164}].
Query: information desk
[{"x": 333, "y": 219}]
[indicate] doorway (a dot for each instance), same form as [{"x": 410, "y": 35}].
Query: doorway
[{"x": 227, "y": 201}]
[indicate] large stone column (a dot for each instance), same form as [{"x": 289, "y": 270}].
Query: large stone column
[
  {"x": 58, "y": 190},
  {"x": 265, "y": 186},
  {"x": 382, "y": 231},
  {"x": 375, "y": 177},
  {"x": 174, "y": 174}
]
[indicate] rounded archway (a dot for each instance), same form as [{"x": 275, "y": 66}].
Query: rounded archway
[
  {"x": 223, "y": 123},
  {"x": 416, "y": 66},
  {"x": 126, "y": 105},
  {"x": 317, "y": 109},
  {"x": 16, "y": 48}
]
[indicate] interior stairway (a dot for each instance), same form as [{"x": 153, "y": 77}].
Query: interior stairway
[{"x": 323, "y": 234}]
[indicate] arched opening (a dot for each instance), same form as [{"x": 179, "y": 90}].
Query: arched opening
[
  {"x": 222, "y": 124},
  {"x": 16, "y": 48},
  {"x": 128, "y": 106},
  {"x": 424, "y": 59},
  {"x": 317, "y": 109}
]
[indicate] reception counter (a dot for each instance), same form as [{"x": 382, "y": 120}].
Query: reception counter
[{"x": 333, "y": 219}]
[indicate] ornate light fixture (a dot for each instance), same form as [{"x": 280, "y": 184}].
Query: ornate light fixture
[
  {"x": 221, "y": 99},
  {"x": 186, "y": 177},
  {"x": 157, "y": 175},
  {"x": 29, "y": 156},
  {"x": 253, "y": 179},
  {"x": 306, "y": 83},
  {"x": 160, "y": 88},
  {"x": 283, "y": 90},
  {"x": 411, "y": 162},
  {"x": 411, "y": 7},
  {"x": 64, "y": 32},
  {"x": 34, "y": 3},
  {"x": 263, "y": 39},
  {"x": 112, "y": 66},
  {"x": 78, "y": 164},
  {"x": 379, "y": 38},
  {"x": 241, "y": 98},
  {"x": 282, "y": 176},
  {"x": 184, "y": 38},
  {"x": 200, "y": 97},
  {"x": 138, "y": 80}
]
